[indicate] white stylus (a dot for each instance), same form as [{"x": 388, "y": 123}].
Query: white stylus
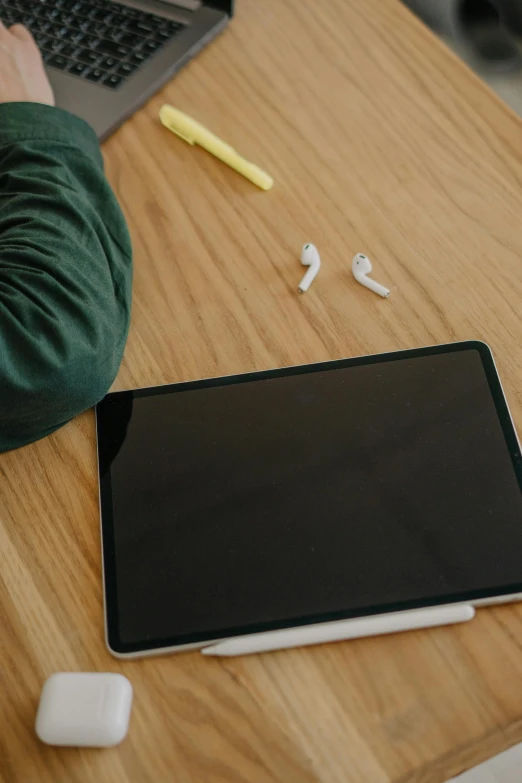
[{"x": 340, "y": 630}]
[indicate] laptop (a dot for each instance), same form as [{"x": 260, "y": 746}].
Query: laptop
[{"x": 106, "y": 58}]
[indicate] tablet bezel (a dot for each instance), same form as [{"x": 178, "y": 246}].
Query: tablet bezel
[{"x": 187, "y": 641}]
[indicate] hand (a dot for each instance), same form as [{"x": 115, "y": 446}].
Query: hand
[{"x": 22, "y": 74}]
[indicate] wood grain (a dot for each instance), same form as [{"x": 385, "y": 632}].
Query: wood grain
[{"x": 380, "y": 141}]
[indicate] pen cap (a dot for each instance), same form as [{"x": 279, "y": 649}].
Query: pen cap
[{"x": 179, "y": 123}]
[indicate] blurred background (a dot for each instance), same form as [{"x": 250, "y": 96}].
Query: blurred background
[{"x": 487, "y": 34}]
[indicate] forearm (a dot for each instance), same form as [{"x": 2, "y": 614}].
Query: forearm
[{"x": 65, "y": 272}]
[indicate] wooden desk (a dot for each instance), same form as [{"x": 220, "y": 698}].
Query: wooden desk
[{"x": 381, "y": 141}]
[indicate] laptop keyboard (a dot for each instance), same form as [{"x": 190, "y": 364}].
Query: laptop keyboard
[{"x": 98, "y": 40}]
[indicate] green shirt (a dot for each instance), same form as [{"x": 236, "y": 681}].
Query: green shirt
[{"x": 65, "y": 272}]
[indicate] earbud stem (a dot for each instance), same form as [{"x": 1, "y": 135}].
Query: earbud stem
[
  {"x": 367, "y": 282},
  {"x": 306, "y": 282}
]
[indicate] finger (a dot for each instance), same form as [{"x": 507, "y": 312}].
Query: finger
[{"x": 21, "y": 32}]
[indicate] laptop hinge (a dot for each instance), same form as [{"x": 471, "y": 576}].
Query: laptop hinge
[{"x": 189, "y": 5}]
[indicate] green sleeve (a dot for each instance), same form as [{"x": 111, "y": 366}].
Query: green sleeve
[{"x": 65, "y": 272}]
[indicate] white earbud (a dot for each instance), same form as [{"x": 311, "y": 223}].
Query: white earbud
[
  {"x": 309, "y": 257},
  {"x": 361, "y": 267}
]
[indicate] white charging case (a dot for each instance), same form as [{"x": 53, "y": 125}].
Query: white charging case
[{"x": 84, "y": 709}]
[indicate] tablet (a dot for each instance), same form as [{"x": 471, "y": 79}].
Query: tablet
[{"x": 307, "y": 494}]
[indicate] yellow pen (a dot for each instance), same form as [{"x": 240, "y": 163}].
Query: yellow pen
[{"x": 194, "y": 133}]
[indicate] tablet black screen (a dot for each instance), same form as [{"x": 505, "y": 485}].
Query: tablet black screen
[{"x": 315, "y": 493}]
